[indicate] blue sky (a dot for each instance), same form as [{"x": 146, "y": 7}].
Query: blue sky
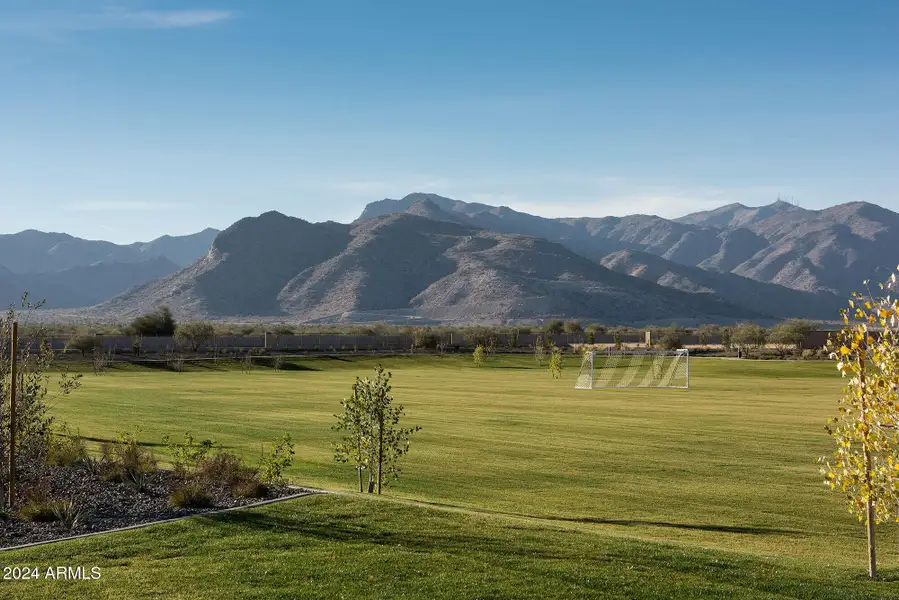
[{"x": 127, "y": 119}]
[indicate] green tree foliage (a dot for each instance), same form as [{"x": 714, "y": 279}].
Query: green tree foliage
[
  {"x": 597, "y": 328},
  {"x": 36, "y": 374},
  {"x": 277, "y": 460},
  {"x": 670, "y": 338},
  {"x": 573, "y": 326},
  {"x": 373, "y": 440},
  {"x": 539, "y": 350},
  {"x": 554, "y": 327},
  {"x": 865, "y": 465},
  {"x": 160, "y": 322},
  {"x": 747, "y": 336},
  {"x": 591, "y": 336},
  {"x": 194, "y": 334},
  {"x": 84, "y": 343},
  {"x": 556, "y": 363},
  {"x": 789, "y": 335},
  {"x": 727, "y": 337},
  {"x": 479, "y": 356},
  {"x": 707, "y": 332},
  {"x": 425, "y": 337}
]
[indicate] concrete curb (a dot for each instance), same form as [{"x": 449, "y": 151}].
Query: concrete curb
[{"x": 308, "y": 492}]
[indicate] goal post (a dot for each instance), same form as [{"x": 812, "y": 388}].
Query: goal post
[{"x": 634, "y": 369}]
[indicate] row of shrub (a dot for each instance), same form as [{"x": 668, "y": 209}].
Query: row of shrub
[{"x": 201, "y": 468}]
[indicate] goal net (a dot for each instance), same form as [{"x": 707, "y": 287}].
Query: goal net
[{"x": 634, "y": 368}]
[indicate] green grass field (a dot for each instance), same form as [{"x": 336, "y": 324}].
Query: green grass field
[{"x": 522, "y": 487}]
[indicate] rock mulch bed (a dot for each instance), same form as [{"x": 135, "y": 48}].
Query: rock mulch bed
[{"x": 111, "y": 505}]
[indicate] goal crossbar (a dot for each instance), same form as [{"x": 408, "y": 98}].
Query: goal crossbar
[{"x": 634, "y": 369}]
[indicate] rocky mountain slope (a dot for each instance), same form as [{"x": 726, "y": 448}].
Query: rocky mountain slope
[
  {"x": 768, "y": 298},
  {"x": 830, "y": 250},
  {"x": 402, "y": 265}
]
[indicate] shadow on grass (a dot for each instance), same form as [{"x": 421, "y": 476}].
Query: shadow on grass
[
  {"x": 738, "y": 529},
  {"x": 144, "y": 444},
  {"x": 357, "y": 531}
]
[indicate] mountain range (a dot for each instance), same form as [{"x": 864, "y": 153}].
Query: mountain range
[
  {"x": 435, "y": 259},
  {"x": 68, "y": 272}
]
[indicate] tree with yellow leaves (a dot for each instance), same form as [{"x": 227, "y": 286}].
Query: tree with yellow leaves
[{"x": 865, "y": 464}]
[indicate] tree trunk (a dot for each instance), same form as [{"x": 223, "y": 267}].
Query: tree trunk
[
  {"x": 371, "y": 482},
  {"x": 380, "y": 447},
  {"x": 869, "y": 508},
  {"x": 360, "y": 478},
  {"x": 872, "y": 553}
]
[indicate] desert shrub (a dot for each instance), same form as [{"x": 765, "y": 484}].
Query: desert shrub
[
  {"x": 283, "y": 330},
  {"x": 92, "y": 465},
  {"x": 221, "y": 469},
  {"x": 809, "y": 354},
  {"x": 126, "y": 457},
  {"x": 191, "y": 496},
  {"x": 278, "y": 362},
  {"x": 188, "y": 454},
  {"x": 278, "y": 458},
  {"x": 160, "y": 322},
  {"x": 38, "y": 511},
  {"x": 69, "y": 514},
  {"x": 67, "y": 448},
  {"x": 249, "y": 487},
  {"x": 137, "y": 481}
]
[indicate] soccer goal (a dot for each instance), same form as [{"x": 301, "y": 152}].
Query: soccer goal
[{"x": 634, "y": 368}]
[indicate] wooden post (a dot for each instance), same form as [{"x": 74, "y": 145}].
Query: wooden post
[{"x": 14, "y": 380}]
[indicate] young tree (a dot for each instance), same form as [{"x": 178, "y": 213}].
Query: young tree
[
  {"x": 374, "y": 440},
  {"x": 865, "y": 463},
  {"x": 194, "y": 334},
  {"x": 33, "y": 420},
  {"x": 355, "y": 447},
  {"x": 539, "y": 350},
  {"x": 555, "y": 362},
  {"x": 478, "y": 356}
]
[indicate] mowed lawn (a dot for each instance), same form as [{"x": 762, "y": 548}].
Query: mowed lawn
[{"x": 587, "y": 491}]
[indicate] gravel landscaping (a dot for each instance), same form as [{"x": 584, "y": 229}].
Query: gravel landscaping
[{"x": 106, "y": 505}]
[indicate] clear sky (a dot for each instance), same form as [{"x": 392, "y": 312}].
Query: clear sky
[{"x": 127, "y": 119}]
